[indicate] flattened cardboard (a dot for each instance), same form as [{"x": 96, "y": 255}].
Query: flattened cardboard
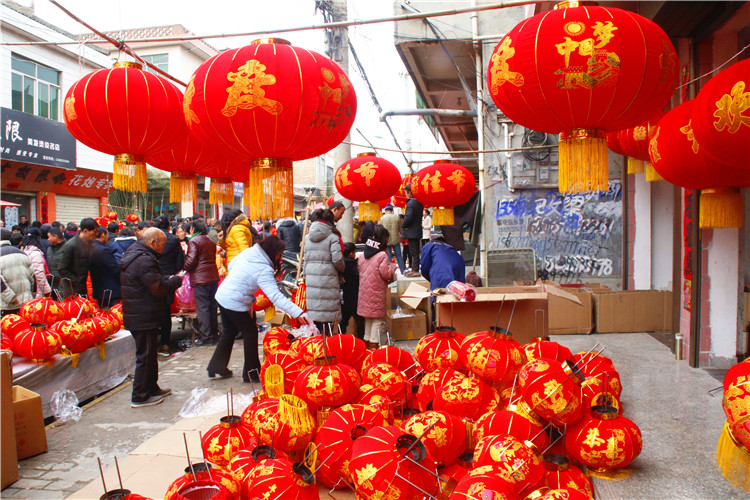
[
  {"x": 567, "y": 318},
  {"x": 406, "y": 324},
  {"x": 632, "y": 311},
  {"x": 31, "y": 438},
  {"x": 8, "y": 454},
  {"x": 417, "y": 296}
]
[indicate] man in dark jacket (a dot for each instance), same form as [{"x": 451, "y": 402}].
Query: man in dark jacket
[
  {"x": 112, "y": 229},
  {"x": 171, "y": 262},
  {"x": 105, "y": 275},
  {"x": 200, "y": 262},
  {"x": 412, "y": 229},
  {"x": 74, "y": 258},
  {"x": 56, "y": 242},
  {"x": 143, "y": 305},
  {"x": 289, "y": 232}
]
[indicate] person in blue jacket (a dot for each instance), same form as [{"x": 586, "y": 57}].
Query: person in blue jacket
[
  {"x": 441, "y": 263},
  {"x": 251, "y": 270}
]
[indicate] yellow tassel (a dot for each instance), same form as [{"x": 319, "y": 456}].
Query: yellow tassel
[
  {"x": 369, "y": 211},
  {"x": 293, "y": 412},
  {"x": 635, "y": 166},
  {"x": 222, "y": 191},
  {"x": 609, "y": 474},
  {"x": 270, "y": 192},
  {"x": 734, "y": 460},
  {"x": 470, "y": 436},
  {"x": 651, "y": 173},
  {"x": 269, "y": 313},
  {"x": 130, "y": 173},
  {"x": 311, "y": 456},
  {"x": 442, "y": 216},
  {"x": 183, "y": 186},
  {"x": 102, "y": 350},
  {"x": 273, "y": 381},
  {"x": 583, "y": 161},
  {"x": 720, "y": 208}
]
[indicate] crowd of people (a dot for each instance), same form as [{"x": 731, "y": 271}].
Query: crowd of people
[{"x": 225, "y": 263}]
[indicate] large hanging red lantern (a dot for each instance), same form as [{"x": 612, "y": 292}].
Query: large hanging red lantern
[
  {"x": 443, "y": 186},
  {"x": 42, "y": 310},
  {"x": 126, "y": 112},
  {"x": 680, "y": 159},
  {"x": 37, "y": 343},
  {"x": 367, "y": 179},
  {"x": 552, "y": 390},
  {"x": 271, "y": 102},
  {"x": 224, "y": 439},
  {"x": 721, "y": 116},
  {"x": 492, "y": 355},
  {"x": 581, "y": 70},
  {"x": 445, "y": 441},
  {"x": 439, "y": 350}
]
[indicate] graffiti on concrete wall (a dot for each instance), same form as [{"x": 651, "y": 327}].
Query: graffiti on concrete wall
[{"x": 577, "y": 237}]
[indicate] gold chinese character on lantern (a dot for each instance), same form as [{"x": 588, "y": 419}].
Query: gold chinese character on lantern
[
  {"x": 431, "y": 183},
  {"x": 190, "y": 115},
  {"x": 328, "y": 92},
  {"x": 367, "y": 171},
  {"x": 500, "y": 69},
  {"x": 247, "y": 91},
  {"x": 688, "y": 131},
  {"x": 342, "y": 176},
  {"x": 459, "y": 179},
  {"x": 730, "y": 107},
  {"x": 639, "y": 133}
]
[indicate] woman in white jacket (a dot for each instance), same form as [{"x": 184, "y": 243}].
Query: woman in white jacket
[{"x": 30, "y": 246}]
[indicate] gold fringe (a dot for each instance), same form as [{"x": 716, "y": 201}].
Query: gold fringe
[
  {"x": 294, "y": 413},
  {"x": 311, "y": 456},
  {"x": 583, "y": 162},
  {"x": 222, "y": 191},
  {"x": 720, "y": 208},
  {"x": 635, "y": 166},
  {"x": 613, "y": 474},
  {"x": 269, "y": 314},
  {"x": 734, "y": 460},
  {"x": 183, "y": 186},
  {"x": 130, "y": 173},
  {"x": 651, "y": 174},
  {"x": 269, "y": 192},
  {"x": 273, "y": 381},
  {"x": 443, "y": 216},
  {"x": 102, "y": 350},
  {"x": 369, "y": 211}
]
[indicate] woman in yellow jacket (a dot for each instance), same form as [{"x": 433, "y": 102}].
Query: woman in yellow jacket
[{"x": 238, "y": 234}]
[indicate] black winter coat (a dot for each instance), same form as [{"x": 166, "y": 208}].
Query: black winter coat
[
  {"x": 172, "y": 258},
  {"x": 290, "y": 233},
  {"x": 74, "y": 265},
  {"x": 144, "y": 288},
  {"x": 105, "y": 275},
  {"x": 412, "y": 225}
]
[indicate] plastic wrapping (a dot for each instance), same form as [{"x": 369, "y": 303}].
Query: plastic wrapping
[
  {"x": 204, "y": 401},
  {"x": 64, "y": 406},
  {"x": 184, "y": 297},
  {"x": 462, "y": 291}
]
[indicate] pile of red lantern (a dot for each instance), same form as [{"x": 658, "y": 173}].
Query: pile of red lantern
[
  {"x": 734, "y": 443},
  {"x": 465, "y": 417}
]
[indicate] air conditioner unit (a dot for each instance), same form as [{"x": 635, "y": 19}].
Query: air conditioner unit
[{"x": 507, "y": 265}]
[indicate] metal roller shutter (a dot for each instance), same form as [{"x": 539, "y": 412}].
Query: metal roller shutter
[{"x": 75, "y": 208}]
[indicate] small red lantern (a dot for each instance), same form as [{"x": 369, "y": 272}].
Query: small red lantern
[
  {"x": 383, "y": 460},
  {"x": 37, "y": 343},
  {"x": 604, "y": 440},
  {"x": 347, "y": 348},
  {"x": 248, "y": 458},
  {"x": 580, "y": 71},
  {"x": 516, "y": 422},
  {"x": 720, "y": 117},
  {"x": 112, "y": 215},
  {"x": 11, "y": 324},
  {"x": 445, "y": 441},
  {"x": 116, "y": 311},
  {"x": 680, "y": 159},
  {"x": 279, "y": 479},
  {"x": 75, "y": 336},
  {"x": 483, "y": 482},
  {"x": 224, "y": 439},
  {"x": 102, "y": 221},
  {"x": 439, "y": 350},
  {"x": 76, "y": 306},
  {"x": 613, "y": 143},
  {"x": 199, "y": 472},
  {"x": 431, "y": 383},
  {"x": 42, "y": 310},
  {"x": 376, "y": 398},
  {"x": 443, "y": 185},
  {"x": 309, "y": 348},
  {"x": 327, "y": 383},
  {"x": 492, "y": 355},
  {"x": 276, "y": 339},
  {"x": 132, "y": 218},
  {"x": 552, "y": 390},
  {"x": 560, "y": 474},
  {"x": 399, "y": 199},
  {"x": 389, "y": 378},
  {"x": 544, "y": 348},
  {"x": 126, "y": 112},
  {"x": 468, "y": 398},
  {"x": 392, "y": 355},
  {"x": 284, "y": 423},
  {"x": 367, "y": 179},
  {"x": 517, "y": 462},
  {"x": 335, "y": 438},
  {"x": 292, "y": 366}
]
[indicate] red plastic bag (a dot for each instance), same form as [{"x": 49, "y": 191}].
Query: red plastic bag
[
  {"x": 184, "y": 297},
  {"x": 462, "y": 291}
]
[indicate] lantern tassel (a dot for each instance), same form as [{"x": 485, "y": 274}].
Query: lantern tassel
[
  {"x": 635, "y": 166},
  {"x": 222, "y": 191},
  {"x": 734, "y": 461},
  {"x": 130, "y": 173},
  {"x": 443, "y": 216},
  {"x": 651, "y": 174},
  {"x": 183, "y": 186},
  {"x": 610, "y": 474},
  {"x": 583, "y": 161},
  {"x": 269, "y": 193},
  {"x": 292, "y": 411},
  {"x": 274, "y": 381},
  {"x": 369, "y": 211},
  {"x": 720, "y": 208}
]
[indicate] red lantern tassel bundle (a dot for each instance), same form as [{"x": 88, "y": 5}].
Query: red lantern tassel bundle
[
  {"x": 183, "y": 186},
  {"x": 269, "y": 190},
  {"x": 130, "y": 173},
  {"x": 721, "y": 207},
  {"x": 583, "y": 161},
  {"x": 222, "y": 191}
]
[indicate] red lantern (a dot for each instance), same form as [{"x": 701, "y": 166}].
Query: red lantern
[
  {"x": 603, "y": 440},
  {"x": 74, "y": 335},
  {"x": 383, "y": 460},
  {"x": 517, "y": 462},
  {"x": 388, "y": 378},
  {"x": 42, "y": 310},
  {"x": 443, "y": 185},
  {"x": 399, "y": 199},
  {"x": 126, "y": 112},
  {"x": 458, "y": 470},
  {"x": 199, "y": 472},
  {"x": 560, "y": 474},
  {"x": 565, "y": 493},
  {"x": 11, "y": 324},
  {"x": 737, "y": 375},
  {"x": 581, "y": 71},
  {"x": 276, "y": 339},
  {"x": 544, "y": 348},
  {"x": 439, "y": 350},
  {"x": 634, "y": 143},
  {"x": 224, "y": 439},
  {"x": 720, "y": 117},
  {"x": 680, "y": 159},
  {"x": 393, "y": 356},
  {"x": 6, "y": 343},
  {"x": 431, "y": 383},
  {"x": 246, "y": 459},
  {"x": 347, "y": 348},
  {"x": 279, "y": 479},
  {"x": 468, "y": 398},
  {"x": 262, "y": 302},
  {"x": 292, "y": 366},
  {"x": 327, "y": 383},
  {"x": 203, "y": 488},
  {"x": 445, "y": 441},
  {"x": 284, "y": 423},
  {"x": 309, "y": 348},
  {"x": 102, "y": 221},
  {"x": 492, "y": 355},
  {"x": 375, "y": 398},
  {"x": 132, "y": 218},
  {"x": 335, "y": 438},
  {"x": 76, "y": 306},
  {"x": 483, "y": 482},
  {"x": 517, "y": 422},
  {"x": 613, "y": 143},
  {"x": 605, "y": 384},
  {"x": 552, "y": 390},
  {"x": 112, "y": 215},
  {"x": 367, "y": 179},
  {"x": 37, "y": 343}
]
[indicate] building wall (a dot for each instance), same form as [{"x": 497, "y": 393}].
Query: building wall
[
  {"x": 723, "y": 252},
  {"x": 642, "y": 242},
  {"x": 662, "y": 229}
]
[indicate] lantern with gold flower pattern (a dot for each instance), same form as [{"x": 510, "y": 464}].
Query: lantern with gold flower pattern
[
  {"x": 248, "y": 458},
  {"x": 224, "y": 439},
  {"x": 367, "y": 179},
  {"x": 74, "y": 335},
  {"x": 42, "y": 310},
  {"x": 327, "y": 384},
  {"x": 516, "y": 421},
  {"x": 443, "y": 185},
  {"x": 483, "y": 482},
  {"x": 565, "y": 493},
  {"x": 389, "y": 378},
  {"x": 560, "y": 473},
  {"x": 276, "y": 339},
  {"x": 37, "y": 343},
  {"x": 376, "y": 398},
  {"x": 11, "y": 324},
  {"x": 492, "y": 355},
  {"x": 431, "y": 383},
  {"x": 284, "y": 423},
  {"x": 76, "y": 306},
  {"x": 552, "y": 390},
  {"x": 544, "y": 348},
  {"x": 517, "y": 462},
  {"x": 468, "y": 398},
  {"x": 634, "y": 143},
  {"x": 439, "y": 349},
  {"x": 280, "y": 479},
  {"x": 445, "y": 441},
  {"x": 200, "y": 472}
]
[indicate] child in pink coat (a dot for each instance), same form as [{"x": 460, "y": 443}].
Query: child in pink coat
[{"x": 375, "y": 271}]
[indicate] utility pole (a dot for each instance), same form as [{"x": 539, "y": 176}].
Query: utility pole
[{"x": 337, "y": 48}]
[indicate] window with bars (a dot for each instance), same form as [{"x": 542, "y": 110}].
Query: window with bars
[
  {"x": 161, "y": 61},
  {"x": 35, "y": 89}
]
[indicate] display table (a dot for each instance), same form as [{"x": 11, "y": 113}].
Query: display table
[{"x": 91, "y": 376}]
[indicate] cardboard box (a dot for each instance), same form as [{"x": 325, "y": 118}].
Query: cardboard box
[
  {"x": 404, "y": 283},
  {"x": 566, "y": 317},
  {"x": 31, "y": 438},
  {"x": 521, "y": 309},
  {"x": 279, "y": 319},
  {"x": 8, "y": 455},
  {"x": 631, "y": 311},
  {"x": 417, "y": 296},
  {"x": 406, "y": 324}
]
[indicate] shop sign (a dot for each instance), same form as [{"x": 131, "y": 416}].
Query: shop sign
[
  {"x": 81, "y": 182},
  {"x": 33, "y": 139}
]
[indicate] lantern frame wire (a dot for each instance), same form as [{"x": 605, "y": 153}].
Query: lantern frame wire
[
  {"x": 187, "y": 452},
  {"x": 203, "y": 454}
]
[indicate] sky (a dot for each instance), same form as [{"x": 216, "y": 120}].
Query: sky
[{"x": 374, "y": 45}]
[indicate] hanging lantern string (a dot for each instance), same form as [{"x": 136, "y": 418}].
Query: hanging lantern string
[
  {"x": 119, "y": 477},
  {"x": 101, "y": 474},
  {"x": 187, "y": 452},
  {"x": 203, "y": 453}
]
